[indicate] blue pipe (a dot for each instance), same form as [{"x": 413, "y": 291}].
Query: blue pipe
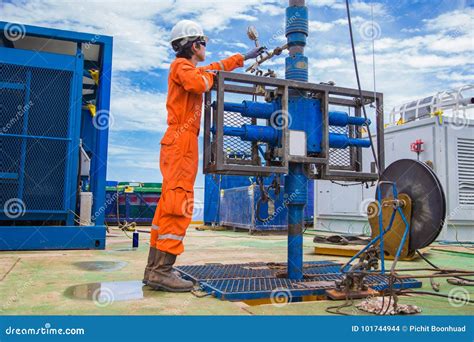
[
  {"x": 337, "y": 140},
  {"x": 343, "y": 119},
  {"x": 246, "y": 132},
  {"x": 296, "y": 182},
  {"x": 272, "y": 136},
  {"x": 260, "y": 110},
  {"x": 296, "y": 195}
]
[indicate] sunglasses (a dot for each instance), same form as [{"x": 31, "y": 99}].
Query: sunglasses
[{"x": 201, "y": 42}]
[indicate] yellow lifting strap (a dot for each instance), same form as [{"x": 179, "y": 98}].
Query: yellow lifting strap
[
  {"x": 95, "y": 75},
  {"x": 400, "y": 121},
  {"x": 439, "y": 114},
  {"x": 92, "y": 109}
]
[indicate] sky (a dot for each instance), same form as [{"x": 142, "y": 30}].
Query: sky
[{"x": 421, "y": 47}]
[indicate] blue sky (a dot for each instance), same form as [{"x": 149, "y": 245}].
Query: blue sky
[{"x": 421, "y": 47}]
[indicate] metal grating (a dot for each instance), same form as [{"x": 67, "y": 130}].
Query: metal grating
[
  {"x": 34, "y": 136},
  {"x": 338, "y": 157},
  {"x": 234, "y": 147},
  {"x": 465, "y": 158},
  {"x": 250, "y": 270},
  {"x": 259, "y": 280}
]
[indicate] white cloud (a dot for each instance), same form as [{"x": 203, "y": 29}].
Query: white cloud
[
  {"x": 126, "y": 157},
  {"x": 135, "y": 109},
  {"x": 239, "y": 45},
  {"x": 410, "y": 30},
  {"x": 215, "y": 15},
  {"x": 438, "y": 57},
  {"x": 455, "y": 76},
  {"x": 270, "y": 8},
  {"x": 336, "y": 4},
  {"x": 458, "y": 20},
  {"x": 321, "y": 26},
  {"x": 434, "y": 61},
  {"x": 140, "y": 28},
  {"x": 329, "y": 63},
  {"x": 139, "y": 44},
  {"x": 315, "y": 25},
  {"x": 378, "y": 8},
  {"x": 453, "y": 44}
]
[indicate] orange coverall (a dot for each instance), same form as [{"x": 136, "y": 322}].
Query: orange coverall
[{"x": 179, "y": 149}]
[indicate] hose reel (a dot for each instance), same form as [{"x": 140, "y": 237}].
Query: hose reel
[{"x": 420, "y": 198}]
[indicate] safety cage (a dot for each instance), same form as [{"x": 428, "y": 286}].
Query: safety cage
[{"x": 230, "y": 147}]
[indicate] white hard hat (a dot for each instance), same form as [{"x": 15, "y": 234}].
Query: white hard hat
[{"x": 186, "y": 29}]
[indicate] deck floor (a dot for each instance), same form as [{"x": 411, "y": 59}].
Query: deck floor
[{"x": 67, "y": 282}]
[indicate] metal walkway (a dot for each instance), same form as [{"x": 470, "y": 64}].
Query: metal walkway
[{"x": 236, "y": 282}]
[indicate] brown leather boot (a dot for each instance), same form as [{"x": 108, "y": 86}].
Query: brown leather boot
[
  {"x": 162, "y": 276},
  {"x": 149, "y": 265}
]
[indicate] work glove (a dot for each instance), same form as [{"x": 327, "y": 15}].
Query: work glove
[{"x": 255, "y": 52}]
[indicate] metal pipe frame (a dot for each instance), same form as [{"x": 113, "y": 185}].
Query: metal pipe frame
[{"x": 214, "y": 160}]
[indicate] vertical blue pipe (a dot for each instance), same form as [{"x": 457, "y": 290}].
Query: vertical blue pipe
[
  {"x": 296, "y": 182},
  {"x": 296, "y": 195}
]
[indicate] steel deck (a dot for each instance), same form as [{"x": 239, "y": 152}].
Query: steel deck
[{"x": 261, "y": 280}]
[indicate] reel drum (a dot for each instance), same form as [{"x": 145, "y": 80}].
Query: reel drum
[{"x": 418, "y": 181}]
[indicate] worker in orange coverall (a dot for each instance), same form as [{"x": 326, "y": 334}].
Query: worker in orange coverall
[{"x": 179, "y": 151}]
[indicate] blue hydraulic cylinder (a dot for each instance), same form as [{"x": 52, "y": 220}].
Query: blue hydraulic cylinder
[
  {"x": 266, "y": 134},
  {"x": 252, "y": 109},
  {"x": 337, "y": 140},
  {"x": 343, "y": 119}
]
